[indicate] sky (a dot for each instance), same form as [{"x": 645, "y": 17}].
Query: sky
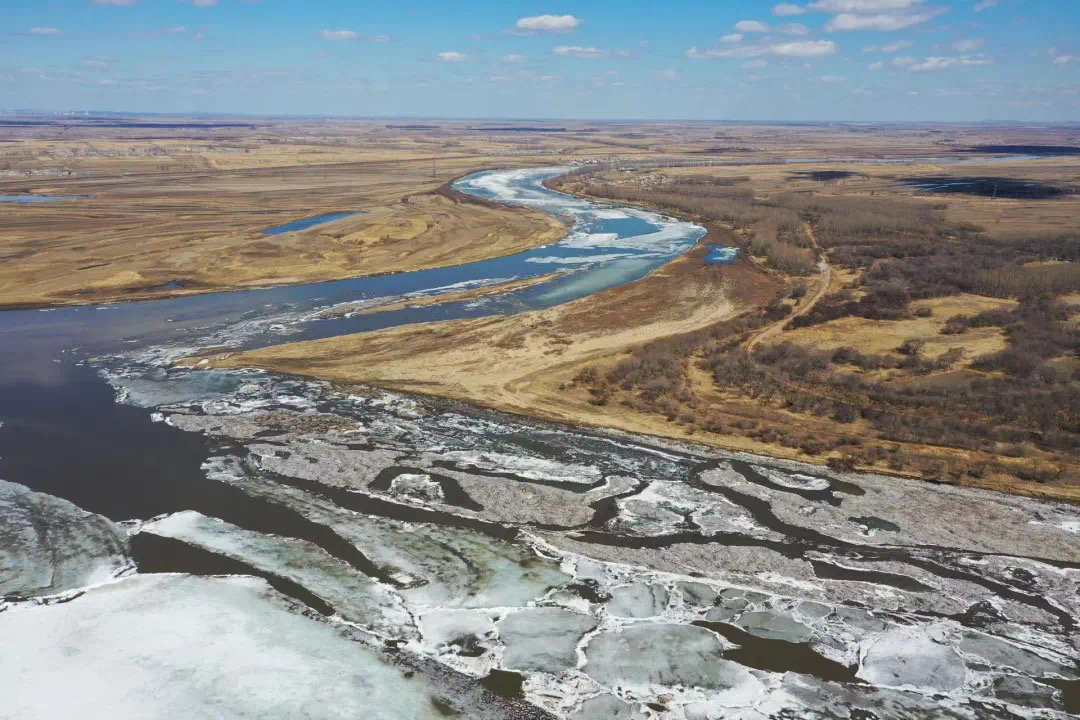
[{"x": 805, "y": 60}]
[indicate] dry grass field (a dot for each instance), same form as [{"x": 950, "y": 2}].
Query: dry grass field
[{"x": 917, "y": 318}]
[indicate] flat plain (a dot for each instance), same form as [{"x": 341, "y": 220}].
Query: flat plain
[{"x": 868, "y": 295}]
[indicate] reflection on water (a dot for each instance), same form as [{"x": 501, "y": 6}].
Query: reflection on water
[{"x": 306, "y": 223}]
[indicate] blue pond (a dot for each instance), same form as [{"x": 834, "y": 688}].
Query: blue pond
[
  {"x": 721, "y": 254},
  {"x": 306, "y": 223}
]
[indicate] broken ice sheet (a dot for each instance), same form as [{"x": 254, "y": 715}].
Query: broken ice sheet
[
  {"x": 48, "y": 545},
  {"x": 651, "y": 658},
  {"x": 178, "y": 646},
  {"x": 442, "y": 566},
  {"x": 533, "y": 468},
  {"x": 915, "y": 657},
  {"x": 543, "y": 639},
  {"x": 638, "y": 600},
  {"x": 355, "y": 596},
  {"x": 463, "y": 639}
]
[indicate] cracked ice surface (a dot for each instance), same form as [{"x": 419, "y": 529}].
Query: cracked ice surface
[
  {"x": 580, "y": 560},
  {"x": 353, "y": 594},
  {"x": 48, "y": 545},
  {"x": 169, "y": 646}
]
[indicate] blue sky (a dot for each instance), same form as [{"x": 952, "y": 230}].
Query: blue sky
[{"x": 711, "y": 59}]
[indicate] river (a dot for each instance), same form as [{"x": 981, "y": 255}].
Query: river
[{"x": 264, "y": 543}]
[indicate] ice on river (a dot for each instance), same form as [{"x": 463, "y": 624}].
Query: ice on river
[
  {"x": 913, "y": 656},
  {"x": 175, "y": 646},
  {"x": 355, "y": 596},
  {"x": 533, "y": 468},
  {"x": 48, "y": 545},
  {"x": 649, "y": 658},
  {"x": 441, "y": 566},
  {"x": 543, "y": 639}
]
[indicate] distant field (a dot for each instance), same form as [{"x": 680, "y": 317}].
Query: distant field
[{"x": 916, "y": 318}]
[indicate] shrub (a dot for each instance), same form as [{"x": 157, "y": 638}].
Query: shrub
[{"x": 842, "y": 463}]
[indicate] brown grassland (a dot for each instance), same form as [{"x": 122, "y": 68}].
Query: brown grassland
[{"x": 920, "y": 318}]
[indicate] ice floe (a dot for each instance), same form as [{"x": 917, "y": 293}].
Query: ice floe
[{"x": 49, "y": 546}]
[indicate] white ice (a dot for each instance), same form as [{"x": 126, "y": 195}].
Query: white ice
[
  {"x": 534, "y": 468},
  {"x": 543, "y": 639},
  {"x": 48, "y": 545},
  {"x": 915, "y": 656},
  {"x": 355, "y": 596},
  {"x": 177, "y": 647}
]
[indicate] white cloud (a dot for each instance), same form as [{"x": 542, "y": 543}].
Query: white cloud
[
  {"x": 904, "y": 61},
  {"x": 794, "y": 29},
  {"x": 95, "y": 64},
  {"x": 339, "y": 34},
  {"x": 804, "y": 48},
  {"x": 800, "y": 48},
  {"x": 175, "y": 30},
  {"x": 451, "y": 56},
  {"x": 862, "y": 6},
  {"x": 199, "y": 36},
  {"x": 379, "y": 38},
  {"x": 833, "y": 79},
  {"x": 875, "y": 66},
  {"x": 784, "y": 9},
  {"x": 732, "y": 38},
  {"x": 114, "y": 2},
  {"x": 985, "y": 4},
  {"x": 968, "y": 45},
  {"x": 1063, "y": 59},
  {"x": 513, "y": 58},
  {"x": 201, "y": 3},
  {"x": 44, "y": 31},
  {"x": 577, "y": 51},
  {"x": 889, "y": 48},
  {"x": 934, "y": 64},
  {"x": 755, "y": 64},
  {"x": 751, "y": 26},
  {"x": 546, "y": 24},
  {"x": 885, "y": 22},
  {"x": 669, "y": 74}
]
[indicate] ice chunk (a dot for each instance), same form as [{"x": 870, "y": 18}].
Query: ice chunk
[
  {"x": 1004, "y": 654},
  {"x": 639, "y": 600},
  {"x": 794, "y": 480},
  {"x": 651, "y": 657},
  {"x": 445, "y": 567},
  {"x": 418, "y": 486},
  {"x": 533, "y": 468},
  {"x": 908, "y": 656},
  {"x": 355, "y": 596},
  {"x": 463, "y": 639},
  {"x": 543, "y": 639},
  {"x": 607, "y": 707},
  {"x": 48, "y": 545},
  {"x": 177, "y": 646},
  {"x": 774, "y": 626},
  {"x": 695, "y": 593}
]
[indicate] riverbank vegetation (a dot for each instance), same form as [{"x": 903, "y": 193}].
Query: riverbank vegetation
[{"x": 939, "y": 349}]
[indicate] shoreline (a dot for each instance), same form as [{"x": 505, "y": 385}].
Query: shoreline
[
  {"x": 466, "y": 361},
  {"x": 554, "y": 231}
]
